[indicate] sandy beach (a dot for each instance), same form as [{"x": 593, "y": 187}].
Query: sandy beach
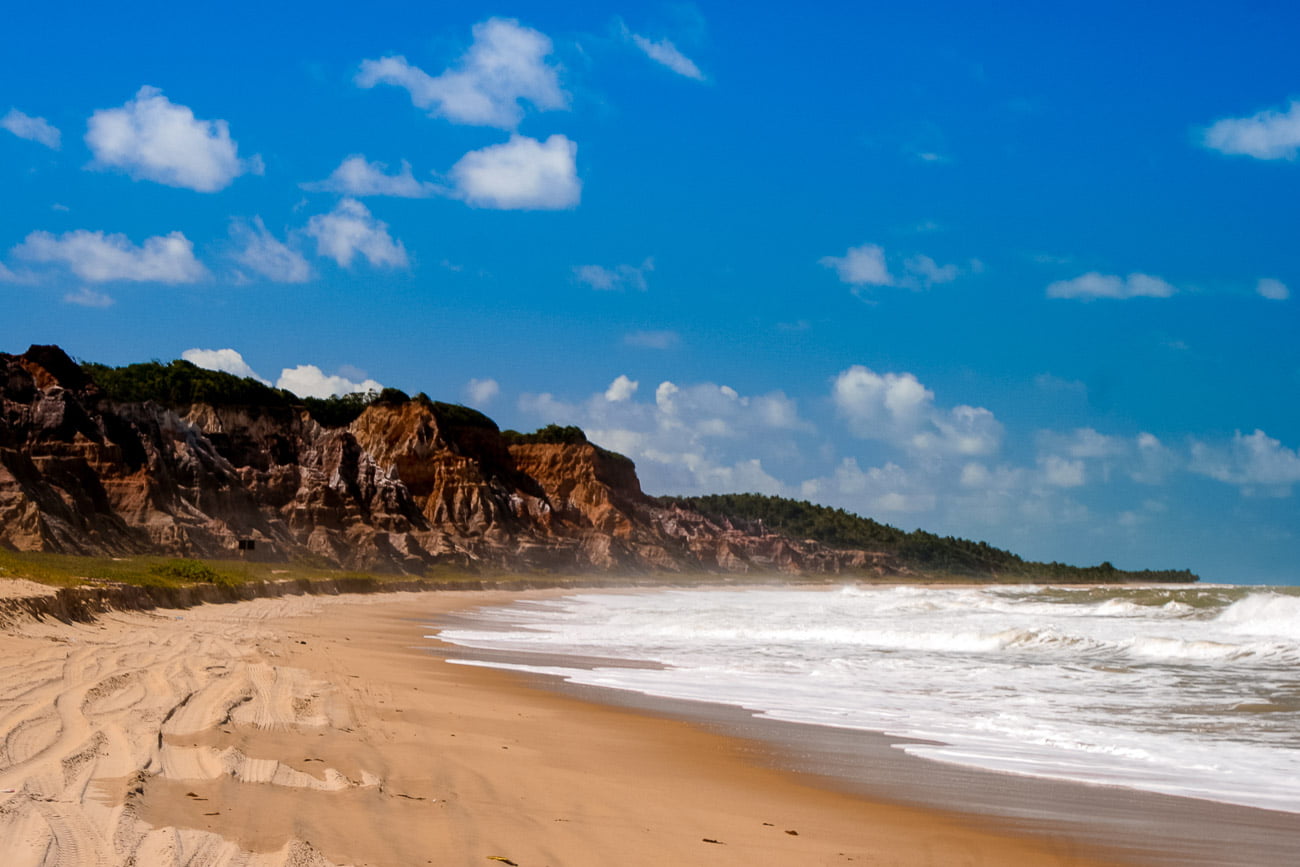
[{"x": 327, "y": 731}]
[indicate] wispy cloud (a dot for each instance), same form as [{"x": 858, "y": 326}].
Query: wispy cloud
[
  {"x": 87, "y": 297},
  {"x": 355, "y": 176},
  {"x": 665, "y": 53},
  {"x": 266, "y": 255},
  {"x": 1095, "y": 285},
  {"x": 653, "y": 339},
  {"x": 36, "y": 129},
  {"x": 615, "y": 278}
]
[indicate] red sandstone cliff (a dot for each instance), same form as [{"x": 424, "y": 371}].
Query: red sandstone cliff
[{"x": 404, "y": 486}]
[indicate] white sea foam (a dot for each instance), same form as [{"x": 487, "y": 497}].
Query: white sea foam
[{"x": 1187, "y": 691}]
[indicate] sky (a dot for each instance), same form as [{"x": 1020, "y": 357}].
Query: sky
[{"x": 1018, "y": 272}]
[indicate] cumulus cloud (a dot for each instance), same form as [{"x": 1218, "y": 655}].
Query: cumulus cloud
[
  {"x": 505, "y": 66},
  {"x": 860, "y": 266},
  {"x": 349, "y": 230},
  {"x": 522, "y": 174},
  {"x": 150, "y": 138},
  {"x": 1266, "y": 135},
  {"x": 663, "y": 51},
  {"x": 685, "y": 439},
  {"x": 36, "y": 129},
  {"x": 87, "y": 297},
  {"x": 308, "y": 380},
  {"x": 99, "y": 258},
  {"x": 1254, "y": 462},
  {"x": 481, "y": 392},
  {"x": 1273, "y": 290},
  {"x": 357, "y": 177},
  {"x": 1095, "y": 285},
  {"x": 1086, "y": 454},
  {"x": 866, "y": 265},
  {"x": 621, "y": 388},
  {"x": 896, "y": 408},
  {"x": 224, "y": 360},
  {"x": 617, "y": 277},
  {"x": 262, "y": 253}
]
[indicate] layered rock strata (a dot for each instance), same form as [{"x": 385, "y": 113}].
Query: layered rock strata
[{"x": 403, "y": 487}]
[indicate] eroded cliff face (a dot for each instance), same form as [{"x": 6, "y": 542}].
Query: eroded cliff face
[{"x": 403, "y": 487}]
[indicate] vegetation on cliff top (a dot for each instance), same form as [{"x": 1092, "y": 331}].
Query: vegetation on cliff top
[
  {"x": 918, "y": 549},
  {"x": 181, "y": 383},
  {"x": 554, "y": 434}
]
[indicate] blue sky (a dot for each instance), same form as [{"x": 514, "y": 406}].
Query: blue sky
[{"x": 1016, "y": 272}]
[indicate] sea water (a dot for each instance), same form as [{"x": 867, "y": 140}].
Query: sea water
[{"x": 1184, "y": 690}]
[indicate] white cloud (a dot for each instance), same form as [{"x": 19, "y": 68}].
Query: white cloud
[
  {"x": 35, "y": 129},
  {"x": 618, "y": 277},
  {"x": 621, "y": 388},
  {"x": 1267, "y": 135},
  {"x": 874, "y": 404},
  {"x": 308, "y": 380},
  {"x": 1082, "y": 442},
  {"x": 1154, "y": 460},
  {"x": 357, "y": 177},
  {"x": 875, "y": 490},
  {"x": 1273, "y": 290},
  {"x": 99, "y": 258},
  {"x": 1061, "y": 472},
  {"x": 522, "y": 174},
  {"x": 150, "y": 138},
  {"x": 667, "y": 54},
  {"x": 652, "y": 339},
  {"x": 930, "y": 272},
  {"x": 1251, "y": 461},
  {"x": 505, "y": 64},
  {"x": 1095, "y": 285},
  {"x": 7, "y": 276},
  {"x": 87, "y": 297},
  {"x": 263, "y": 253},
  {"x": 224, "y": 360},
  {"x": 896, "y": 408},
  {"x": 350, "y": 229},
  {"x": 481, "y": 392},
  {"x": 701, "y": 438},
  {"x": 860, "y": 266}
]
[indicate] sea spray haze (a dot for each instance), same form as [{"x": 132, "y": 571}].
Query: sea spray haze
[{"x": 1182, "y": 690}]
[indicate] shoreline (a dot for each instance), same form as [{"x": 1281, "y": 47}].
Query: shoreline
[
  {"x": 1126, "y": 824},
  {"x": 327, "y": 731}
]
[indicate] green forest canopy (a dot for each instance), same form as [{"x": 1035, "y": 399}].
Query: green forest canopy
[{"x": 837, "y": 528}]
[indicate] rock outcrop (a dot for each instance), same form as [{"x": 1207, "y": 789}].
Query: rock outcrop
[{"x": 403, "y": 487}]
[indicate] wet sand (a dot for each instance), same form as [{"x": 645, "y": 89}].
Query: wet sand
[{"x": 315, "y": 732}]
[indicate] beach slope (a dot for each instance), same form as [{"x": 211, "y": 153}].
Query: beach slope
[{"x": 323, "y": 731}]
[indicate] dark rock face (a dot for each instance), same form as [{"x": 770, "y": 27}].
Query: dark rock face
[{"x": 403, "y": 487}]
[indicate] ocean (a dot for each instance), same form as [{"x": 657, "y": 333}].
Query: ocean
[{"x": 1190, "y": 690}]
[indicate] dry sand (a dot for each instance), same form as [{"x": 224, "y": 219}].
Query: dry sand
[{"x": 321, "y": 731}]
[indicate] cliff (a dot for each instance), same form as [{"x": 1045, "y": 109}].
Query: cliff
[{"x": 403, "y": 486}]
